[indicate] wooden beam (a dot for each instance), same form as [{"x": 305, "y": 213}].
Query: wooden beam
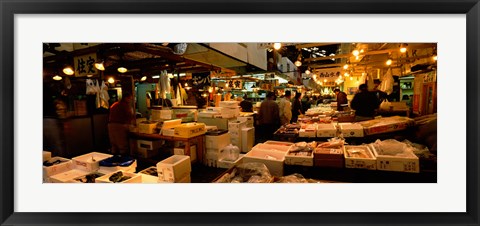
[{"x": 309, "y": 45}]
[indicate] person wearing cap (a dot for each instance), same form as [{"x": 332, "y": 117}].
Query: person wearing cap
[{"x": 341, "y": 99}]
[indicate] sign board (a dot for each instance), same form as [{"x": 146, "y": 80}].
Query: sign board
[
  {"x": 85, "y": 65},
  {"x": 235, "y": 84},
  {"x": 201, "y": 79}
]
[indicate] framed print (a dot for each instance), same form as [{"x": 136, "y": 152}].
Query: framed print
[{"x": 452, "y": 199}]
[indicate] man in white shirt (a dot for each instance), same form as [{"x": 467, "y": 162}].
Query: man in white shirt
[{"x": 285, "y": 107}]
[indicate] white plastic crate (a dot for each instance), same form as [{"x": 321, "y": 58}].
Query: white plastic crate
[
  {"x": 229, "y": 164},
  {"x": 174, "y": 168},
  {"x": 89, "y": 162}
]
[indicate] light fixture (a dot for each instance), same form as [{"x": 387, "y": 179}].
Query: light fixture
[
  {"x": 111, "y": 80},
  {"x": 57, "y": 78},
  {"x": 307, "y": 71},
  {"x": 210, "y": 89},
  {"x": 351, "y": 78},
  {"x": 346, "y": 74},
  {"x": 345, "y": 66},
  {"x": 389, "y": 62},
  {"x": 89, "y": 75},
  {"x": 122, "y": 69},
  {"x": 186, "y": 84},
  {"x": 156, "y": 76},
  {"x": 361, "y": 51},
  {"x": 99, "y": 65},
  {"x": 325, "y": 80},
  {"x": 68, "y": 70},
  {"x": 403, "y": 48},
  {"x": 435, "y": 57},
  {"x": 314, "y": 77},
  {"x": 355, "y": 52},
  {"x": 143, "y": 78},
  {"x": 298, "y": 63},
  {"x": 277, "y": 45}
]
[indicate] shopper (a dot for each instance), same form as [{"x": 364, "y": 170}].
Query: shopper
[
  {"x": 285, "y": 108},
  {"x": 120, "y": 118},
  {"x": 297, "y": 107},
  {"x": 341, "y": 99},
  {"x": 364, "y": 103},
  {"x": 246, "y": 105},
  {"x": 268, "y": 118}
]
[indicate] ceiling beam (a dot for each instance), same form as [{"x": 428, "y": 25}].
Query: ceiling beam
[{"x": 310, "y": 45}]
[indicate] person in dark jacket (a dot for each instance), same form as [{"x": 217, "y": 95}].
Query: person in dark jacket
[
  {"x": 364, "y": 103},
  {"x": 341, "y": 99},
  {"x": 296, "y": 107}
]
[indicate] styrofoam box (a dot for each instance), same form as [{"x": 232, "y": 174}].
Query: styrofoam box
[
  {"x": 272, "y": 147},
  {"x": 229, "y": 164},
  {"x": 272, "y": 159},
  {"x": 149, "y": 144},
  {"x": 185, "y": 179},
  {"x": 282, "y": 143},
  {"x": 147, "y": 128},
  {"x": 326, "y": 130},
  {"x": 174, "y": 168},
  {"x": 208, "y": 114},
  {"x": 110, "y": 169},
  {"x": 362, "y": 163},
  {"x": 181, "y": 151},
  {"x": 47, "y": 155},
  {"x": 151, "y": 168},
  {"x": 135, "y": 178},
  {"x": 211, "y": 158},
  {"x": 84, "y": 162},
  {"x": 248, "y": 139},
  {"x": 308, "y": 131},
  {"x": 230, "y": 112},
  {"x": 247, "y": 119},
  {"x": 217, "y": 142},
  {"x": 299, "y": 160},
  {"x": 168, "y": 132},
  {"x": 395, "y": 163},
  {"x": 148, "y": 179},
  {"x": 67, "y": 176},
  {"x": 351, "y": 129},
  {"x": 228, "y": 104},
  {"x": 74, "y": 180},
  {"x": 214, "y": 109},
  {"x": 236, "y": 126},
  {"x": 66, "y": 165},
  {"x": 146, "y": 153}
]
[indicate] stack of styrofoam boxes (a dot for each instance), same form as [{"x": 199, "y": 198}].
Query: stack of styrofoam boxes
[
  {"x": 149, "y": 175},
  {"x": 273, "y": 156},
  {"x": 50, "y": 171},
  {"x": 359, "y": 157},
  {"x": 134, "y": 178},
  {"x": 214, "y": 143},
  {"x": 406, "y": 162},
  {"x": 247, "y": 134},
  {"x": 235, "y": 129},
  {"x": 351, "y": 129},
  {"x": 230, "y": 109},
  {"x": 147, "y": 148},
  {"x": 174, "y": 169}
]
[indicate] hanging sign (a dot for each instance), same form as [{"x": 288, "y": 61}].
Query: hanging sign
[
  {"x": 85, "y": 65},
  {"x": 235, "y": 84},
  {"x": 201, "y": 79}
]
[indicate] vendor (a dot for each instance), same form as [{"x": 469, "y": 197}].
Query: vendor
[
  {"x": 364, "y": 103},
  {"x": 120, "y": 118}
]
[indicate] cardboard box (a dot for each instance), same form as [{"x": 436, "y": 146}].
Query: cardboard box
[
  {"x": 326, "y": 130},
  {"x": 174, "y": 168},
  {"x": 248, "y": 139},
  {"x": 185, "y": 179},
  {"x": 147, "y": 127},
  {"x": 168, "y": 132},
  {"x": 217, "y": 141},
  {"x": 158, "y": 115},
  {"x": 236, "y": 126},
  {"x": 110, "y": 169},
  {"x": 229, "y": 164},
  {"x": 214, "y": 109},
  {"x": 247, "y": 119},
  {"x": 185, "y": 113},
  {"x": 272, "y": 159},
  {"x": 329, "y": 157},
  {"x": 47, "y": 155},
  {"x": 63, "y": 166},
  {"x": 67, "y": 176},
  {"x": 409, "y": 162},
  {"x": 188, "y": 130},
  {"x": 351, "y": 129},
  {"x": 220, "y": 123},
  {"x": 134, "y": 178},
  {"x": 207, "y": 114},
  {"x": 364, "y": 160},
  {"x": 386, "y": 124},
  {"x": 89, "y": 162}
]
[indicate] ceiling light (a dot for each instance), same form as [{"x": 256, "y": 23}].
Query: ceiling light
[
  {"x": 389, "y": 62},
  {"x": 68, "y": 70},
  {"x": 99, "y": 66},
  {"x": 351, "y": 78},
  {"x": 355, "y": 52},
  {"x": 277, "y": 45},
  {"x": 111, "y": 80},
  {"x": 361, "y": 51},
  {"x": 403, "y": 49},
  {"x": 298, "y": 63},
  {"x": 435, "y": 58},
  {"x": 143, "y": 78},
  {"x": 346, "y": 74},
  {"x": 186, "y": 84},
  {"x": 307, "y": 72},
  {"x": 325, "y": 80},
  {"x": 122, "y": 69},
  {"x": 57, "y": 78},
  {"x": 345, "y": 66},
  {"x": 156, "y": 76},
  {"x": 89, "y": 75}
]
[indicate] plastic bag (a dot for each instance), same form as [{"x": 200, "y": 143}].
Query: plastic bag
[
  {"x": 229, "y": 153},
  {"x": 393, "y": 147},
  {"x": 385, "y": 105},
  {"x": 90, "y": 87},
  {"x": 387, "y": 82},
  {"x": 251, "y": 172},
  {"x": 104, "y": 97},
  {"x": 293, "y": 178}
]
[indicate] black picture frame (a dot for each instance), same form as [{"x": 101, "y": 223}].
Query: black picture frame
[{"x": 9, "y": 8}]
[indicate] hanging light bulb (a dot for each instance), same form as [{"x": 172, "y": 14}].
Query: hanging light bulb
[
  {"x": 355, "y": 52},
  {"x": 210, "y": 89},
  {"x": 277, "y": 45},
  {"x": 346, "y": 74},
  {"x": 403, "y": 48},
  {"x": 325, "y": 80},
  {"x": 57, "y": 78},
  {"x": 345, "y": 66},
  {"x": 351, "y": 78},
  {"x": 143, "y": 78},
  {"x": 68, "y": 70},
  {"x": 389, "y": 62},
  {"x": 122, "y": 69},
  {"x": 435, "y": 57},
  {"x": 307, "y": 72},
  {"x": 298, "y": 63},
  {"x": 111, "y": 80},
  {"x": 361, "y": 51},
  {"x": 99, "y": 66}
]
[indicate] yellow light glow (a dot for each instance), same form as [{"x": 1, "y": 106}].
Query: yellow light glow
[
  {"x": 100, "y": 66},
  {"x": 68, "y": 70},
  {"x": 277, "y": 45},
  {"x": 361, "y": 51},
  {"x": 355, "y": 52},
  {"x": 351, "y": 78},
  {"x": 307, "y": 72},
  {"x": 435, "y": 58},
  {"x": 346, "y": 74},
  {"x": 325, "y": 80},
  {"x": 143, "y": 78},
  {"x": 111, "y": 80},
  {"x": 389, "y": 62},
  {"x": 57, "y": 78},
  {"x": 345, "y": 66},
  {"x": 298, "y": 63},
  {"x": 403, "y": 49},
  {"x": 186, "y": 84},
  {"x": 89, "y": 75},
  {"x": 122, "y": 69},
  {"x": 210, "y": 89}
]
